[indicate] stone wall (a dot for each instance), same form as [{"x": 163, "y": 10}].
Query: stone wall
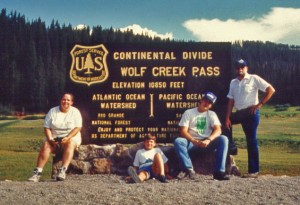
[{"x": 116, "y": 158}]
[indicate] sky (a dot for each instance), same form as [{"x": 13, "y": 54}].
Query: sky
[{"x": 197, "y": 20}]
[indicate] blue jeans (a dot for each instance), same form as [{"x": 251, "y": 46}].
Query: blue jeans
[
  {"x": 182, "y": 148},
  {"x": 250, "y": 124}
]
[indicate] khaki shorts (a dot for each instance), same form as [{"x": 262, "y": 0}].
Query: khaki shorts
[{"x": 77, "y": 139}]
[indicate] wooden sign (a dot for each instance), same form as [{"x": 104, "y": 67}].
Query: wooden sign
[{"x": 126, "y": 90}]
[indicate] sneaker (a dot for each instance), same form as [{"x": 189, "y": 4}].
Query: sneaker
[
  {"x": 250, "y": 175},
  {"x": 36, "y": 176},
  {"x": 221, "y": 176},
  {"x": 132, "y": 172},
  {"x": 182, "y": 175},
  {"x": 192, "y": 174},
  {"x": 162, "y": 178},
  {"x": 188, "y": 173},
  {"x": 61, "y": 176}
]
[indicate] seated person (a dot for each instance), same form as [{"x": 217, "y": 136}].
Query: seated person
[
  {"x": 149, "y": 162},
  {"x": 62, "y": 130},
  {"x": 200, "y": 129}
]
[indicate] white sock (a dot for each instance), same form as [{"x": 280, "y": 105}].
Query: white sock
[{"x": 40, "y": 170}]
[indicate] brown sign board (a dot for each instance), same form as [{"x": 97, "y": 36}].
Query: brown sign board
[{"x": 125, "y": 90}]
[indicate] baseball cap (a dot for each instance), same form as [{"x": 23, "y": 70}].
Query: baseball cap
[
  {"x": 211, "y": 97},
  {"x": 241, "y": 63}
]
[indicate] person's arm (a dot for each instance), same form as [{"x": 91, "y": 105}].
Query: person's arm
[
  {"x": 71, "y": 134},
  {"x": 184, "y": 133},
  {"x": 268, "y": 94},
  {"x": 215, "y": 133},
  {"x": 48, "y": 134},
  {"x": 228, "y": 113}
]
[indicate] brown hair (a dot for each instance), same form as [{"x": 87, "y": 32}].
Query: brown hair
[
  {"x": 72, "y": 96},
  {"x": 150, "y": 136}
]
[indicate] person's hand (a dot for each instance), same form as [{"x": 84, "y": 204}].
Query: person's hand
[
  {"x": 204, "y": 143},
  {"x": 52, "y": 141},
  {"x": 254, "y": 108},
  {"x": 65, "y": 140},
  {"x": 195, "y": 142},
  {"x": 228, "y": 123},
  {"x": 201, "y": 143}
]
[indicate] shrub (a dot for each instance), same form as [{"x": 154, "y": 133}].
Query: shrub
[
  {"x": 284, "y": 107},
  {"x": 34, "y": 117}
]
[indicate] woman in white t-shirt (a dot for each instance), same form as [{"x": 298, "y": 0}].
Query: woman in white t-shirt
[{"x": 62, "y": 130}]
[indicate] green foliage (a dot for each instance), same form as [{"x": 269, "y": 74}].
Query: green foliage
[
  {"x": 284, "y": 107},
  {"x": 5, "y": 110},
  {"x": 273, "y": 111},
  {"x": 34, "y": 117}
]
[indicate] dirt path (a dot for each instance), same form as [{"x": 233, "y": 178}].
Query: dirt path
[{"x": 112, "y": 189}]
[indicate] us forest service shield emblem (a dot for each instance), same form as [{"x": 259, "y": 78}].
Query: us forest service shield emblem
[{"x": 89, "y": 64}]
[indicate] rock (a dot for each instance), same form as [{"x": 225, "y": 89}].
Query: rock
[
  {"x": 102, "y": 165},
  {"x": 116, "y": 158}
]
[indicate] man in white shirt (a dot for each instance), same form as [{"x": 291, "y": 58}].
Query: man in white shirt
[{"x": 243, "y": 95}]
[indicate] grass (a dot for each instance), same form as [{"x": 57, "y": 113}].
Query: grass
[
  {"x": 20, "y": 142},
  {"x": 274, "y": 160},
  {"x": 278, "y": 134},
  {"x": 279, "y": 142}
]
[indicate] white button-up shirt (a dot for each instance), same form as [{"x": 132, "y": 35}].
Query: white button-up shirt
[{"x": 245, "y": 92}]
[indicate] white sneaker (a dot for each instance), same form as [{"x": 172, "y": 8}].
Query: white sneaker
[
  {"x": 36, "y": 176},
  {"x": 61, "y": 174},
  {"x": 251, "y": 175},
  {"x": 132, "y": 172}
]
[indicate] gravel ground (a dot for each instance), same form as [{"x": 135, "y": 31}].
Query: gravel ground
[{"x": 112, "y": 189}]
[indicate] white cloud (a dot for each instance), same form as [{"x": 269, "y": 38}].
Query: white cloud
[
  {"x": 280, "y": 25},
  {"x": 81, "y": 26},
  {"x": 137, "y": 29}
]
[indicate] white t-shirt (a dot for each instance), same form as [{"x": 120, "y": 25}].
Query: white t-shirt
[
  {"x": 145, "y": 157},
  {"x": 62, "y": 123},
  {"x": 245, "y": 92},
  {"x": 199, "y": 124}
]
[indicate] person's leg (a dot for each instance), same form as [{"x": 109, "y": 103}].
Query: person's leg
[
  {"x": 68, "y": 153},
  {"x": 182, "y": 147},
  {"x": 69, "y": 149},
  {"x": 250, "y": 128},
  {"x": 232, "y": 148},
  {"x": 143, "y": 175},
  {"x": 44, "y": 154},
  {"x": 157, "y": 167},
  {"x": 220, "y": 144},
  {"x": 42, "y": 159}
]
